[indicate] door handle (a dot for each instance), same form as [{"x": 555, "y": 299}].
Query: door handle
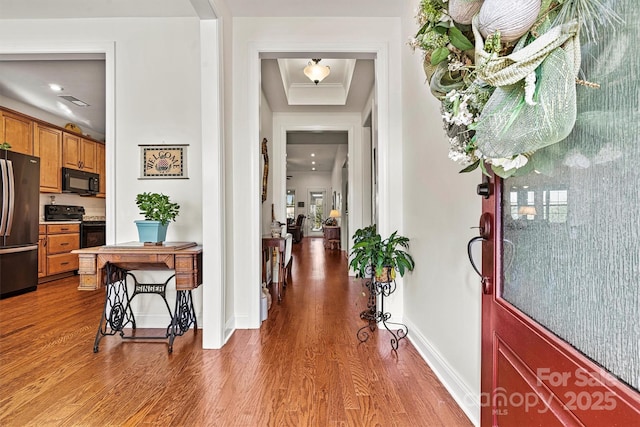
[
  {"x": 485, "y": 235},
  {"x": 470, "y": 254}
]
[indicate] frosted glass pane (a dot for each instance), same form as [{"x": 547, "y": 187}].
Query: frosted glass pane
[{"x": 571, "y": 253}]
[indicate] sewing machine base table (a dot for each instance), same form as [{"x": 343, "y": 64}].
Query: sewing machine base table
[{"x": 117, "y": 313}]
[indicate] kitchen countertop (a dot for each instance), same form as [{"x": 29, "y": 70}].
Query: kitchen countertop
[{"x": 59, "y": 222}]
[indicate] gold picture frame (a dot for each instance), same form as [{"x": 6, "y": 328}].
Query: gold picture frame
[{"x": 163, "y": 161}]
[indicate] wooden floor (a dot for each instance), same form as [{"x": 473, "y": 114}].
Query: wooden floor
[{"x": 303, "y": 367}]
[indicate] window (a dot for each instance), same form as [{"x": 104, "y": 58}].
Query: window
[{"x": 291, "y": 208}]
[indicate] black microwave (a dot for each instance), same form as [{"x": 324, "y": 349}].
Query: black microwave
[{"x": 81, "y": 182}]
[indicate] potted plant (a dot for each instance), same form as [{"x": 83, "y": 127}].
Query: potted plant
[
  {"x": 372, "y": 254},
  {"x": 158, "y": 211}
]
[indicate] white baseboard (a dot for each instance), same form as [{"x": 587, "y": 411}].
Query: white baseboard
[
  {"x": 466, "y": 398},
  {"x": 229, "y": 329}
]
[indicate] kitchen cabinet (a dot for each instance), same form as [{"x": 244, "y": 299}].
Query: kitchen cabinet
[
  {"x": 78, "y": 152},
  {"x": 42, "y": 251},
  {"x": 60, "y": 240},
  {"x": 101, "y": 169},
  {"x": 48, "y": 146},
  {"x": 17, "y": 131}
]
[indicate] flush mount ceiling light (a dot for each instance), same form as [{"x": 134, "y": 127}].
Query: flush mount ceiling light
[
  {"x": 56, "y": 87},
  {"x": 316, "y": 72}
]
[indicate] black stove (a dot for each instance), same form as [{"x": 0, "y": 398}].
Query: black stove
[
  {"x": 63, "y": 213},
  {"x": 92, "y": 228}
]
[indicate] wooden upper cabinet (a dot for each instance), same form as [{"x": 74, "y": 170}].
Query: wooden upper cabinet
[
  {"x": 17, "y": 131},
  {"x": 78, "y": 153},
  {"x": 101, "y": 169},
  {"x": 47, "y": 144},
  {"x": 89, "y": 154}
]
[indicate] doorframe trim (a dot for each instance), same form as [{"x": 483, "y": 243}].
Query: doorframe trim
[{"x": 248, "y": 311}]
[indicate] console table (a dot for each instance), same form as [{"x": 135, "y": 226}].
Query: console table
[
  {"x": 331, "y": 236},
  {"x": 110, "y": 266}
]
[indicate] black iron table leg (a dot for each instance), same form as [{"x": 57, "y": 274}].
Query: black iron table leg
[
  {"x": 184, "y": 317},
  {"x": 117, "y": 311},
  {"x": 375, "y": 317}
]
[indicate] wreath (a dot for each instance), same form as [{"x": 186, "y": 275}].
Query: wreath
[{"x": 505, "y": 72}]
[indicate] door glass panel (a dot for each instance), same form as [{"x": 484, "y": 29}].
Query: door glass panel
[
  {"x": 571, "y": 250},
  {"x": 316, "y": 210}
]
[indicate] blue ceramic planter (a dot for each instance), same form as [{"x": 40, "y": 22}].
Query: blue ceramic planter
[{"x": 151, "y": 231}]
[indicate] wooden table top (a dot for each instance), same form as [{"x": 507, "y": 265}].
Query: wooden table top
[{"x": 138, "y": 247}]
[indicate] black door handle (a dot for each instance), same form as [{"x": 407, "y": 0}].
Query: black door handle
[{"x": 470, "y": 255}]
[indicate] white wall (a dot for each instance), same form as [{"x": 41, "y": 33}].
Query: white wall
[
  {"x": 224, "y": 42},
  {"x": 150, "y": 56},
  {"x": 442, "y": 297}
]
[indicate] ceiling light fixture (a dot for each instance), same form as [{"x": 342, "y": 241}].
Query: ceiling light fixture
[
  {"x": 315, "y": 72},
  {"x": 313, "y": 163},
  {"x": 313, "y": 169},
  {"x": 74, "y": 100},
  {"x": 56, "y": 87},
  {"x": 313, "y": 154}
]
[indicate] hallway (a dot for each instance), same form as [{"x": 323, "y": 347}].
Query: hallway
[{"x": 304, "y": 367}]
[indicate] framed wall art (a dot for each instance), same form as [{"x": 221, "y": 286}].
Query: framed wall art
[
  {"x": 163, "y": 161},
  {"x": 265, "y": 169}
]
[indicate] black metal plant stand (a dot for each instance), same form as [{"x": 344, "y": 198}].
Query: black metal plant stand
[
  {"x": 374, "y": 316},
  {"x": 117, "y": 313}
]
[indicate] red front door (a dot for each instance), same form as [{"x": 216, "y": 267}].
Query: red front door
[
  {"x": 561, "y": 301},
  {"x": 530, "y": 376}
]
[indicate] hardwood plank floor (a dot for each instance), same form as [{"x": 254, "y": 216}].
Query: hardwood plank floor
[{"x": 303, "y": 367}]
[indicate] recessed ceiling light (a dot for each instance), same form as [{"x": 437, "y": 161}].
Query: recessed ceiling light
[
  {"x": 313, "y": 169},
  {"x": 313, "y": 154},
  {"x": 56, "y": 87},
  {"x": 313, "y": 163}
]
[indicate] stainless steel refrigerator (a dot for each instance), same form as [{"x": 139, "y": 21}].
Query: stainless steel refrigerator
[{"x": 19, "y": 210}]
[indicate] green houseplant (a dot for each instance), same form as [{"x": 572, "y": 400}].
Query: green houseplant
[
  {"x": 158, "y": 211},
  {"x": 371, "y": 253}
]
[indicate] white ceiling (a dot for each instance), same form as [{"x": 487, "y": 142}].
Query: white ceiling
[
  {"x": 357, "y": 91},
  {"x": 60, "y": 9},
  {"x": 27, "y": 81},
  {"x": 307, "y": 8},
  {"x": 54, "y": 9},
  {"x": 305, "y": 148}
]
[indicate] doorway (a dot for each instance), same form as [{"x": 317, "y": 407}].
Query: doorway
[
  {"x": 247, "y": 208},
  {"x": 317, "y": 213}
]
